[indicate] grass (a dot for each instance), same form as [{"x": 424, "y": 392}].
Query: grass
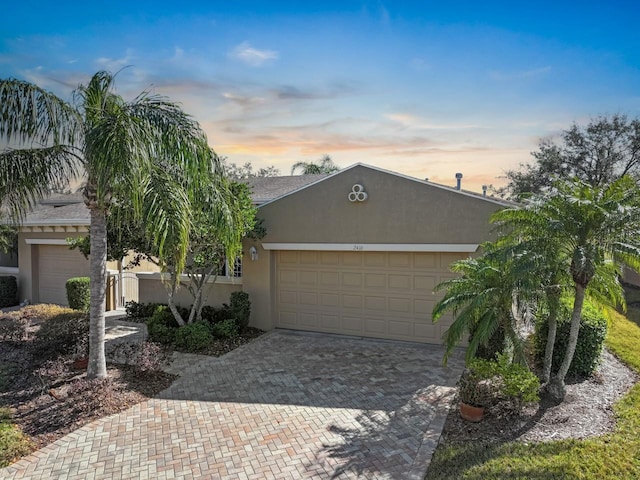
[
  {"x": 13, "y": 443},
  {"x": 612, "y": 456}
]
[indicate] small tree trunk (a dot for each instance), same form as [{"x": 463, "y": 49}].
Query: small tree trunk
[
  {"x": 172, "y": 288},
  {"x": 556, "y": 387},
  {"x": 554, "y": 305},
  {"x": 97, "y": 367}
]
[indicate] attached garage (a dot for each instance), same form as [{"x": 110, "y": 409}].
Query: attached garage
[
  {"x": 56, "y": 264},
  {"x": 359, "y": 253},
  {"x": 372, "y": 294}
]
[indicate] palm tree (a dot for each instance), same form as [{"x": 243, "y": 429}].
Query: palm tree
[
  {"x": 324, "y": 165},
  {"x": 139, "y": 152},
  {"x": 486, "y": 304},
  {"x": 595, "y": 230}
]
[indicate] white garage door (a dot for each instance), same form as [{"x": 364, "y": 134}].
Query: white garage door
[
  {"x": 373, "y": 294},
  {"x": 57, "y": 264}
]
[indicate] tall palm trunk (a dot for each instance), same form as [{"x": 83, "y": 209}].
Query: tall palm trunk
[
  {"x": 97, "y": 367},
  {"x": 556, "y": 387},
  {"x": 554, "y": 307}
]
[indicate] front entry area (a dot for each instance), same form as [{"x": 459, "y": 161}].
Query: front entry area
[{"x": 386, "y": 295}]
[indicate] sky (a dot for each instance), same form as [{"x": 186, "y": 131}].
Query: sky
[{"x": 427, "y": 89}]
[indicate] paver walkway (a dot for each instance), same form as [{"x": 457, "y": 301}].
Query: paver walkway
[{"x": 286, "y": 406}]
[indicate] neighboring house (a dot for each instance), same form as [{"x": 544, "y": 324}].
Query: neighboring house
[{"x": 357, "y": 252}]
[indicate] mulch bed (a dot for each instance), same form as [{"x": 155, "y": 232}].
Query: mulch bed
[
  {"x": 586, "y": 412},
  {"x": 46, "y": 411}
]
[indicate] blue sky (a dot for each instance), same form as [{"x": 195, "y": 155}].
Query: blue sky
[{"x": 423, "y": 88}]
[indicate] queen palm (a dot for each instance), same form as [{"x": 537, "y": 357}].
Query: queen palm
[
  {"x": 121, "y": 148},
  {"x": 595, "y": 230}
]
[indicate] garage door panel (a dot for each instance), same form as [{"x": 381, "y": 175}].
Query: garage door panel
[
  {"x": 352, "y": 301},
  {"x": 400, "y": 329},
  {"x": 400, "y": 282},
  {"x": 329, "y": 279},
  {"x": 375, "y": 304},
  {"x": 308, "y": 278},
  {"x": 376, "y": 294},
  {"x": 352, "y": 280},
  {"x": 375, "y": 280},
  {"x": 288, "y": 277},
  {"x": 57, "y": 264},
  {"x": 308, "y": 298},
  {"x": 289, "y": 257}
]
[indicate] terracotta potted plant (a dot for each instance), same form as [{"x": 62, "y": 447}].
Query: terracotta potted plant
[{"x": 476, "y": 391}]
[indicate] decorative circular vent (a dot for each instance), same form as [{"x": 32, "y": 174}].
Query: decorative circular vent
[{"x": 357, "y": 193}]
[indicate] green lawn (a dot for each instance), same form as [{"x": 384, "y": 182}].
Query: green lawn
[
  {"x": 13, "y": 443},
  {"x": 612, "y": 456}
]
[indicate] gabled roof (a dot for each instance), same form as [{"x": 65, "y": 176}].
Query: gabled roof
[{"x": 479, "y": 196}]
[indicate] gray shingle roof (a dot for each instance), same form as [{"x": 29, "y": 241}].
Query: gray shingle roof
[{"x": 264, "y": 189}]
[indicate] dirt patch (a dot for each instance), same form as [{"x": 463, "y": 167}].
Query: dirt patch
[{"x": 586, "y": 412}]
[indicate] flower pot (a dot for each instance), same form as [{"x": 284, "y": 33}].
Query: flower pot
[
  {"x": 81, "y": 363},
  {"x": 471, "y": 413}
]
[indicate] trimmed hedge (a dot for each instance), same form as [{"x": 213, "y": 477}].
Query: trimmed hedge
[
  {"x": 240, "y": 307},
  {"x": 78, "y": 293},
  {"x": 193, "y": 337},
  {"x": 593, "y": 330},
  {"x": 8, "y": 291}
]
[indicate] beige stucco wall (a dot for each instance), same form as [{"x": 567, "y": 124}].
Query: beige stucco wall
[
  {"x": 151, "y": 290},
  {"x": 397, "y": 210},
  {"x": 257, "y": 281}
]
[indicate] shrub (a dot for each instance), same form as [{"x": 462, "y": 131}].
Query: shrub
[
  {"x": 193, "y": 337},
  {"x": 240, "y": 307},
  {"x": 8, "y": 291},
  {"x": 593, "y": 330},
  {"x": 226, "y": 329},
  {"x": 138, "y": 311},
  {"x": 43, "y": 311},
  {"x": 13, "y": 327},
  {"x": 64, "y": 334},
  {"x": 215, "y": 315},
  {"x": 78, "y": 293},
  {"x": 162, "y": 325},
  {"x": 490, "y": 382}
]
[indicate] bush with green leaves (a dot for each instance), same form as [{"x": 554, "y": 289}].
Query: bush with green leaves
[
  {"x": 139, "y": 311},
  {"x": 162, "y": 325},
  {"x": 78, "y": 293},
  {"x": 193, "y": 337},
  {"x": 593, "y": 331},
  {"x": 226, "y": 329},
  {"x": 240, "y": 308},
  {"x": 491, "y": 382},
  {"x": 215, "y": 315},
  {"x": 8, "y": 291},
  {"x": 63, "y": 334}
]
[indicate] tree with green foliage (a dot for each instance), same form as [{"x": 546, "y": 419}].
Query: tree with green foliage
[
  {"x": 146, "y": 151},
  {"x": 324, "y": 165},
  {"x": 599, "y": 153},
  {"x": 595, "y": 231},
  {"x": 216, "y": 238},
  {"x": 239, "y": 172},
  {"x": 487, "y": 304}
]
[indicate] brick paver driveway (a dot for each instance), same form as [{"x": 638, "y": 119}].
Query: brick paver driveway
[{"x": 285, "y": 406}]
